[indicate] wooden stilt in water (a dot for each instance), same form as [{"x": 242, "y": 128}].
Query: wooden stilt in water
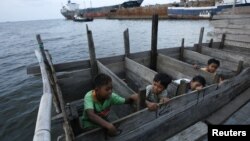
[
  {"x": 200, "y": 40},
  {"x": 126, "y": 42},
  {"x": 92, "y": 55},
  {"x": 222, "y": 41},
  {"x": 211, "y": 43},
  {"x": 153, "y": 53},
  {"x": 182, "y": 49}
]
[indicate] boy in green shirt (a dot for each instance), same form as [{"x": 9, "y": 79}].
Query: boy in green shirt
[{"x": 97, "y": 104}]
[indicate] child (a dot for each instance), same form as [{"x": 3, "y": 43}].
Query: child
[
  {"x": 212, "y": 66},
  {"x": 97, "y": 104},
  {"x": 197, "y": 83},
  {"x": 157, "y": 92}
]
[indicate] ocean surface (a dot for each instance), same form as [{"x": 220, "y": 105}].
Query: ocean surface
[{"x": 66, "y": 41}]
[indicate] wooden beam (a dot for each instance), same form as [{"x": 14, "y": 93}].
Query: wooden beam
[
  {"x": 126, "y": 42},
  {"x": 92, "y": 55},
  {"x": 200, "y": 39},
  {"x": 225, "y": 112},
  {"x": 181, "y": 69},
  {"x": 230, "y": 56},
  {"x": 240, "y": 67},
  {"x": 140, "y": 70},
  {"x": 211, "y": 43},
  {"x": 222, "y": 41},
  {"x": 182, "y": 49},
  {"x": 153, "y": 54},
  {"x": 85, "y": 64},
  {"x": 196, "y": 58}
]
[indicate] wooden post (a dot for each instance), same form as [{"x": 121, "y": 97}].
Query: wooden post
[
  {"x": 182, "y": 88},
  {"x": 142, "y": 99},
  {"x": 153, "y": 53},
  {"x": 211, "y": 43},
  {"x": 92, "y": 55},
  {"x": 240, "y": 67},
  {"x": 126, "y": 42},
  {"x": 182, "y": 49},
  {"x": 222, "y": 41},
  {"x": 200, "y": 40}
]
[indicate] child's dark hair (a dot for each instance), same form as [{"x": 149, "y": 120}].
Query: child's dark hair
[
  {"x": 199, "y": 79},
  {"x": 102, "y": 79},
  {"x": 214, "y": 61},
  {"x": 163, "y": 78}
]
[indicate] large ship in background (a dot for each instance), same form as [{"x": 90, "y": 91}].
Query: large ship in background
[{"x": 72, "y": 9}]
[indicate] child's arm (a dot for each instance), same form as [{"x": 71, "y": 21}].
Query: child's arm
[
  {"x": 151, "y": 105},
  {"x": 131, "y": 99},
  {"x": 103, "y": 123}
]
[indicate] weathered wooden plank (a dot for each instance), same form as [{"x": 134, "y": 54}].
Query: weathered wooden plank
[
  {"x": 43, "y": 122},
  {"x": 198, "y": 58},
  {"x": 234, "y": 37},
  {"x": 232, "y": 31},
  {"x": 76, "y": 85},
  {"x": 192, "y": 133},
  {"x": 221, "y": 17},
  {"x": 84, "y": 64},
  {"x": 239, "y": 44},
  {"x": 93, "y": 64},
  {"x": 126, "y": 42},
  {"x": 154, "y": 38},
  {"x": 200, "y": 39},
  {"x": 233, "y": 57},
  {"x": 225, "y": 112},
  {"x": 237, "y": 50},
  {"x": 182, "y": 49},
  {"x": 180, "y": 69},
  {"x": 231, "y": 21},
  {"x": 140, "y": 70}
]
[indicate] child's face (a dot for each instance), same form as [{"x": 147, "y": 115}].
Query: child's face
[
  {"x": 212, "y": 68},
  {"x": 105, "y": 91},
  {"x": 195, "y": 85},
  {"x": 157, "y": 87}
]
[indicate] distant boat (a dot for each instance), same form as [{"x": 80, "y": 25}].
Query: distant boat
[
  {"x": 70, "y": 9},
  {"x": 200, "y": 12},
  {"x": 82, "y": 19}
]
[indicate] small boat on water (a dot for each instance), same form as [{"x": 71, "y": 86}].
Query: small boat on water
[
  {"x": 66, "y": 84},
  {"x": 82, "y": 19}
]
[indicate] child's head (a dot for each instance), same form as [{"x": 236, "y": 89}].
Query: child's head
[
  {"x": 197, "y": 83},
  {"x": 103, "y": 86},
  {"x": 160, "y": 82},
  {"x": 213, "y": 65}
]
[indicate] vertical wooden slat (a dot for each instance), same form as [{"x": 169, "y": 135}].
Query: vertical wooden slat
[
  {"x": 240, "y": 67},
  {"x": 142, "y": 98},
  {"x": 92, "y": 55},
  {"x": 200, "y": 40},
  {"x": 222, "y": 41},
  {"x": 126, "y": 42},
  {"x": 182, "y": 49},
  {"x": 211, "y": 43},
  {"x": 153, "y": 53}
]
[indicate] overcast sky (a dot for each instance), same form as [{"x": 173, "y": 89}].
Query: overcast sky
[{"x": 21, "y": 10}]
